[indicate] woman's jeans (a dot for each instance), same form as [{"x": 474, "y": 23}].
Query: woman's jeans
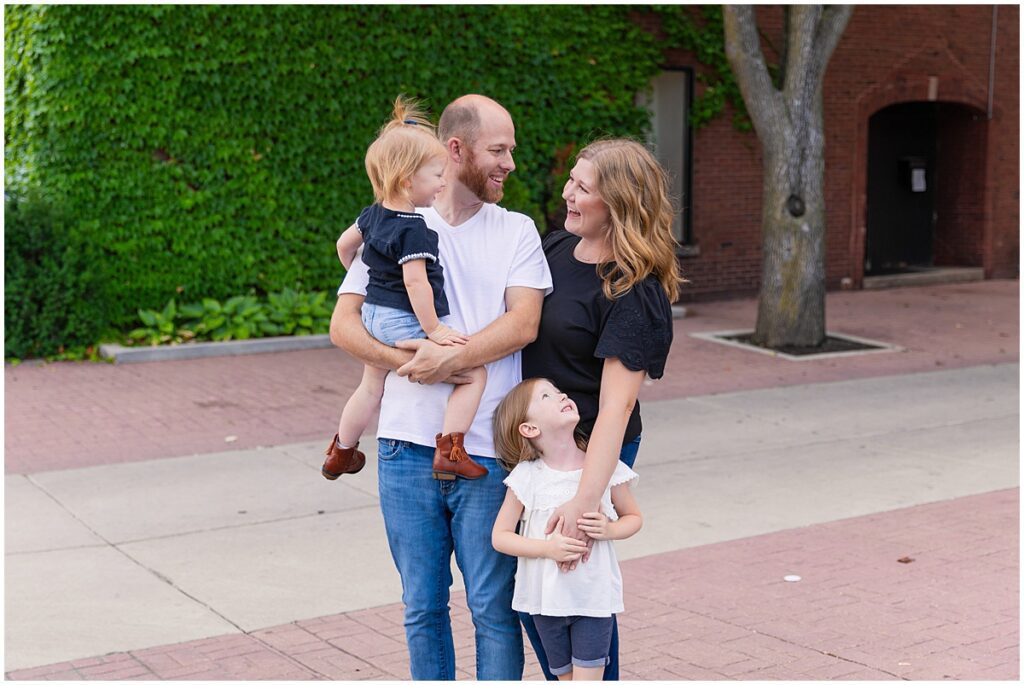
[
  {"x": 611, "y": 671},
  {"x": 426, "y": 520}
]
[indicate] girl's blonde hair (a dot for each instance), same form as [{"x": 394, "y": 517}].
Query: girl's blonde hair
[
  {"x": 403, "y": 145},
  {"x": 513, "y": 447},
  {"x": 635, "y": 188}
]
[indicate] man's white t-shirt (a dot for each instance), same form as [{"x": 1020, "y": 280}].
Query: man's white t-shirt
[{"x": 494, "y": 250}]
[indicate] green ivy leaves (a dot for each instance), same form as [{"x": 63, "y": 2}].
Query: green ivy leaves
[
  {"x": 700, "y": 29},
  {"x": 209, "y": 150}
]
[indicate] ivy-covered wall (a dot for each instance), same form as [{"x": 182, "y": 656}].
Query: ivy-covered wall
[{"x": 218, "y": 150}]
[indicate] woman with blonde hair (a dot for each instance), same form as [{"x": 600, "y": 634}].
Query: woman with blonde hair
[{"x": 608, "y": 323}]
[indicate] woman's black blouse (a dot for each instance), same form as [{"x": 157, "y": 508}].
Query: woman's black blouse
[{"x": 580, "y": 328}]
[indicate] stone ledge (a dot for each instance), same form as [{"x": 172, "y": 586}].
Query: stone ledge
[
  {"x": 930, "y": 276},
  {"x": 159, "y": 353}
]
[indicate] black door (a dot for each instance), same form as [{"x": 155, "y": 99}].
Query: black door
[{"x": 901, "y": 188}]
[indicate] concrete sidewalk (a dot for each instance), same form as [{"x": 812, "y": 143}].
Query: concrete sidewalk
[
  {"x": 62, "y": 416},
  {"x": 717, "y": 612},
  {"x": 169, "y": 551},
  {"x": 138, "y": 548}
]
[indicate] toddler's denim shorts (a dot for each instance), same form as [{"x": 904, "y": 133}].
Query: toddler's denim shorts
[
  {"x": 389, "y": 325},
  {"x": 569, "y": 641}
]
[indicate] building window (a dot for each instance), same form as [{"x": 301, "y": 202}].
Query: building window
[{"x": 672, "y": 140}]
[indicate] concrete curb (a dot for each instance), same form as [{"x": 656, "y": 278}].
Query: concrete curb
[
  {"x": 287, "y": 343},
  {"x": 128, "y": 355}
]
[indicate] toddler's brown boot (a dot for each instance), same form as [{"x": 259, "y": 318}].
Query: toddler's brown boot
[
  {"x": 341, "y": 461},
  {"x": 451, "y": 459}
]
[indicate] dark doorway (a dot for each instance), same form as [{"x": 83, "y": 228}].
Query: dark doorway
[{"x": 901, "y": 189}]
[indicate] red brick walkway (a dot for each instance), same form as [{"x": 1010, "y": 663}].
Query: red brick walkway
[
  {"x": 716, "y": 612},
  {"x": 69, "y": 415}
]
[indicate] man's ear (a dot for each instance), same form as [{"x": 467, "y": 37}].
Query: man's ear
[
  {"x": 455, "y": 150},
  {"x": 528, "y": 430}
]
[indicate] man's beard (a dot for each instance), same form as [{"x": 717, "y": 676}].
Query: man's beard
[{"x": 476, "y": 180}]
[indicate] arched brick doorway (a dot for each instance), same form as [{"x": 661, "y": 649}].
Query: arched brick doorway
[
  {"x": 962, "y": 227},
  {"x": 925, "y": 187}
]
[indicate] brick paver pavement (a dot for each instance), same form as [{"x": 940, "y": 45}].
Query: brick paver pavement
[
  {"x": 716, "y": 612},
  {"x": 69, "y": 415}
]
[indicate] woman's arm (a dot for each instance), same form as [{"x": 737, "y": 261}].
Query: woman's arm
[
  {"x": 348, "y": 244},
  {"x": 505, "y": 539},
  {"x": 619, "y": 388}
]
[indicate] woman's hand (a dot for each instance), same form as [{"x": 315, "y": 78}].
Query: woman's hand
[
  {"x": 564, "y": 519},
  {"x": 564, "y": 549},
  {"x": 595, "y": 525}
]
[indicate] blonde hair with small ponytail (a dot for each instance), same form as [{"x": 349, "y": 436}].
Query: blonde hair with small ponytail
[{"x": 403, "y": 145}]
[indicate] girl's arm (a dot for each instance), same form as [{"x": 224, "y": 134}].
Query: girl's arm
[
  {"x": 414, "y": 273},
  {"x": 505, "y": 539},
  {"x": 348, "y": 244},
  {"x": 597, "y": 526}
]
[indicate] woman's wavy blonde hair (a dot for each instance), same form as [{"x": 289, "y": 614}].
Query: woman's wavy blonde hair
[
  {"x": 513, "y": 447},
  {"x": 633, "y": 185},
  {"x": 403, "y": 145}
]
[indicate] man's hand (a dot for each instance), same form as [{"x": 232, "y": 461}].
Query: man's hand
[
  {"x": 564, "y": 549},
  {"x": 595, "y": 525},
  {"x": 431, "y": 363},
  {"x": 564, "y": 519}
]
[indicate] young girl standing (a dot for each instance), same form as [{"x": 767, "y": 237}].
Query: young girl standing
[
  {"x": 534, "y": 436},
  {"x": 405, "y": 296}
]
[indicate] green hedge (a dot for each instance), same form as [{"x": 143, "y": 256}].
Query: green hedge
[{"x": 213, "y": 151}]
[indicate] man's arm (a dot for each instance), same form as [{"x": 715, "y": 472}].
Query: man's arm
[
  {"x": 349, "y": 333},
  {"x": 510, "y": 332}
]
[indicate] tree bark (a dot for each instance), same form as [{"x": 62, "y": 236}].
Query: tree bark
[{"x": 790, "y": 126}]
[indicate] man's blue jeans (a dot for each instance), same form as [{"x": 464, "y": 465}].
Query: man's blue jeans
[
  {"x": 611, "y": 671},
  {"x": 426, "y": 520}
]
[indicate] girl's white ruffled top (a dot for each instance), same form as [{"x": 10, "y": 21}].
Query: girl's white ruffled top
[{"x": 594, "y": 588}]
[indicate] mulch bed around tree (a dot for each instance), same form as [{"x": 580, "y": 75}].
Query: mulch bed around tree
[{"x": 831, "y": 345}]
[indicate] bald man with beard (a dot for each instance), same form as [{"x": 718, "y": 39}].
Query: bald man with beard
[{"x": 495, "y": 279}]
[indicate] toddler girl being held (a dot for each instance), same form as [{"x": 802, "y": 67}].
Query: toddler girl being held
[{"x": 405, "y": 294}]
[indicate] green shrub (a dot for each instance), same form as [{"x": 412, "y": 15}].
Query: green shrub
[
  {"x": 205, "y": 151},
  {"x": 239, "y": 318},
  {"x": 50, "y": 298}
]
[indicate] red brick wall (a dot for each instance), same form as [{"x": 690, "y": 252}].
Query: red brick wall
[
  {"x": 960, "y": 187},
  {"x": 886, "y": 56}
]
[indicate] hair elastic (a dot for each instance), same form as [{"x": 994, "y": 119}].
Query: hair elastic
[{"x": 411, "y": 122}]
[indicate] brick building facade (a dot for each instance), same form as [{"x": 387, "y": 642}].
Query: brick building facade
[{"x": 889, "y": 57}]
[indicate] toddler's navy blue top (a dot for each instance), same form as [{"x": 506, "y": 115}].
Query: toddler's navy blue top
[{"x": 390, "y": 239}]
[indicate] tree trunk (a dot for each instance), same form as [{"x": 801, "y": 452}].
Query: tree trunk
[
  {"x": 790, "y": 126},
  {"x": 791, "y": 305}
]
